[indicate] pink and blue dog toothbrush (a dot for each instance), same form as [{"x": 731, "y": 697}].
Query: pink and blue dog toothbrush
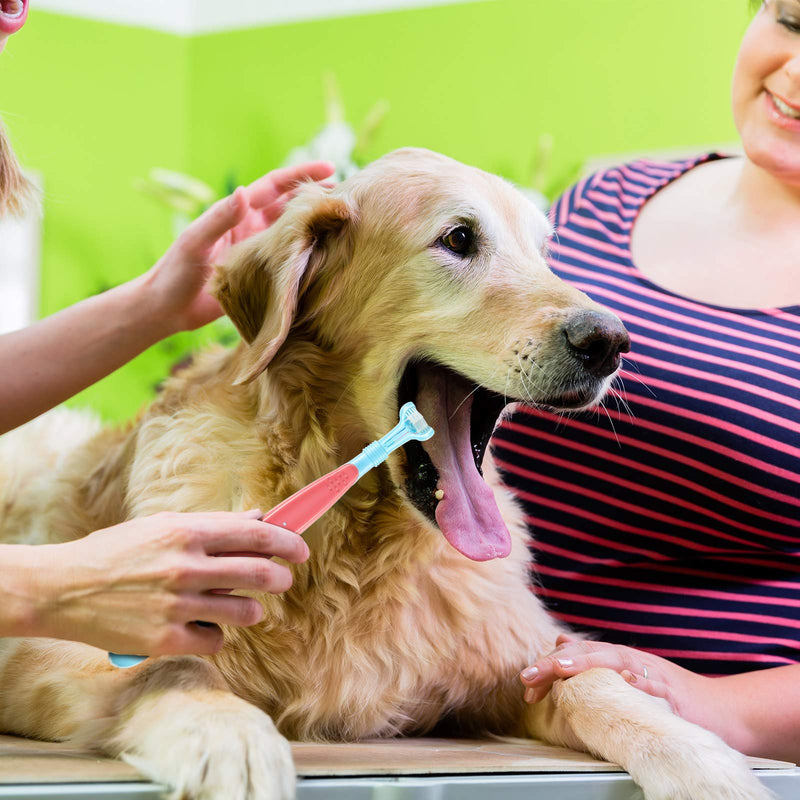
[{"x": 307, "y": 505}]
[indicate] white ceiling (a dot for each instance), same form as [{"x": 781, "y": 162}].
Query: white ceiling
[{"x": 188, "y": 17}]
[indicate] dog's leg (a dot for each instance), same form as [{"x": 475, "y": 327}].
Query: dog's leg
[
  {"x": 670, "y": 758},
  {"x": 173, "y": 718},
  {"x": 51, "y": 689}
]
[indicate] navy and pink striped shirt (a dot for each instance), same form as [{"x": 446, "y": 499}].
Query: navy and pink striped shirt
[{"x": 670, "y": 521}]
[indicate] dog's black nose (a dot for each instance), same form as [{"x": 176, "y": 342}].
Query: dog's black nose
[{"x": 597, "y": 338}]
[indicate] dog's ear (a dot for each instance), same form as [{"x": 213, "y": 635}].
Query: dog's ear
[{"x": 260, "y": 287}]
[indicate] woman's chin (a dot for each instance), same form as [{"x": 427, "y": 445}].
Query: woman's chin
[{"x": 779, "y": 155}]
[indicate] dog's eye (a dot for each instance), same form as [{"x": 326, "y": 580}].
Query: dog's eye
[{"x": 460, "y": 240}]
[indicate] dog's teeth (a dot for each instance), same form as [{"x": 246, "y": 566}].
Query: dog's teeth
[{"x": 438, "y": 494}]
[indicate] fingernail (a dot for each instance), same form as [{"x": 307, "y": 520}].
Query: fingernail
[
  {"x": 566, "y": 662},
  {"x": 530, "y": 673},
  {"x": 530, "y": 694},
  {"x": 254, "y": 512}
]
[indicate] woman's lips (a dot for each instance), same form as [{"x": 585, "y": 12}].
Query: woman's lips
[
  {"x": 13, "y": 14},
  {"x": 778, "y": 117}
]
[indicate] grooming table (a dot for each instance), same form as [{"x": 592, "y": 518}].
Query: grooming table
[{"x": 398, "y": 769}]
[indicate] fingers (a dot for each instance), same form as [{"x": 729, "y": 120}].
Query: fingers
[
  {"x": 162, "y": 572},
  {"x": 221, "y": 532},
  {"x": 251, "y": 513},
  {"x": 191, "y": 639},
  {"x": 652, "y": 686},
  {"x": 225, "y": 551},
  {"x": 194, "y": 621},
  {"x": 224, "y": 609},
  {"x": 572, "y": 657},
  {"x": 565, "y": 638},
  {"x": 254, "y": 537},
  {"x": 226, "y": 214},
  {"x": 190, "y": 624},
  {"x": 203, "y": 637},
  {"x": 272, "y": 211},
  {"x": 272, "y": 185},
  {"x": 215, "y": 222},
  {"x": 252, "y": 573},
  {"x": 275, "y": 208}
]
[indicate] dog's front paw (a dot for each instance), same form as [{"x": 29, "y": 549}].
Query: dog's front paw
[
  {"x": 702, "y": 769},
  {"x": 208, "y": 745},
  {"x": 668, "y": 757}
]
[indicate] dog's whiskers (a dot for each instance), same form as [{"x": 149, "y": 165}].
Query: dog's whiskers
[
  {"x": 526, "y": 379},
  {"x": 602, "y": 406},
  {"x": 477, "y": 386},
  {"x": 620, "y": 400},
  {"x": 637, "y": 378},
  {"x": 523, "y": 375},
  {"x": 526, "y": 395}
]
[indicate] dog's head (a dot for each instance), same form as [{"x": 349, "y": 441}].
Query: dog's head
[{"x": 428, "y": 279}]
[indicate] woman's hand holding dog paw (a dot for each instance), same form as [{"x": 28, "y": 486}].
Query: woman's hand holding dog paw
[
  {"x": 140, "y": 586},
  {"x": 705, "y": 701},
  {"x": 176, "y": 285},
  {"x": 649, "y": 673}
]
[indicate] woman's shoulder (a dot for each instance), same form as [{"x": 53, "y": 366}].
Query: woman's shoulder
[
  {"x": 632, "y": 181},
  {"x": 691, "y": 196},
  {"x": 612, "y": 197}
]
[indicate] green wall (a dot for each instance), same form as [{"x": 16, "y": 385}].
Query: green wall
[{"x": 93, "y": 106}]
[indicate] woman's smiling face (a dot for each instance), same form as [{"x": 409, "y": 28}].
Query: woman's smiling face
[{"x": 766, "y": 89}]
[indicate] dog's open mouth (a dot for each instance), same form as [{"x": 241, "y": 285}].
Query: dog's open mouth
[{"x": 464, "y": 416}]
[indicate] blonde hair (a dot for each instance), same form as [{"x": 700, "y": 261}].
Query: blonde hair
[{"x": 15, "y": 189}]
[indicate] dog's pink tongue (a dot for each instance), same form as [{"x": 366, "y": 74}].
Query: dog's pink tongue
[{"x": 467, "y": 515}]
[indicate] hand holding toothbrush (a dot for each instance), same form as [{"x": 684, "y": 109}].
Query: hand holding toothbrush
[{"x": 137, "y": 587}]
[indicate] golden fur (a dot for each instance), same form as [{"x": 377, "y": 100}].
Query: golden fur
[{"x": 387, "y": 629}]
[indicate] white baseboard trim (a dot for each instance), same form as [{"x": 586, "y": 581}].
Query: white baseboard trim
[{"x": 191, "y": 17}]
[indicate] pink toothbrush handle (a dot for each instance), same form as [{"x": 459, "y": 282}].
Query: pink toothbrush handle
[{"x": 308, "y": 504}]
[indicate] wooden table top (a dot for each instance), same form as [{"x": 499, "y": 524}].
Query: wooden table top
[{"x": 33, "y": 762}]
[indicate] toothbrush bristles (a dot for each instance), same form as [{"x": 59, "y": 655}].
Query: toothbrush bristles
[
  {"x": 418, "y": 422},
  {"x": 414, "y": 422}
]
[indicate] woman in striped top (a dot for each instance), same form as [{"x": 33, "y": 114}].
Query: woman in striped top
[{"x": 669, "y": 521}]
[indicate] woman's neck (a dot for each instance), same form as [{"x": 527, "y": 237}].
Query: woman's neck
[{"x": 764, "y": 201}]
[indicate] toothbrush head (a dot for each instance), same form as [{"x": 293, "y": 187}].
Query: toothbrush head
[{"x": 414, "y": 423}]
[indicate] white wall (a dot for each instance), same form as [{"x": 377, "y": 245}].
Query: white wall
[{"x": 19, "y": 271}]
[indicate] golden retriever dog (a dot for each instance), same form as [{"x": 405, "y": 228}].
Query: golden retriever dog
[{"x": 418, "y": 279}]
